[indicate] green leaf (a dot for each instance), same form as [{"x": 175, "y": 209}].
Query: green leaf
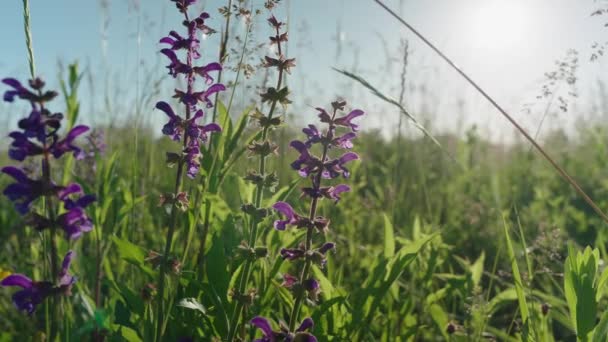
[
  {"x": 477, "y": 269},
  {"x": 519, "y": 288},
  {"x": 192, "y": 304},
  {"x": 129, "y": 251},
  {"x": 389, "y": 238}
]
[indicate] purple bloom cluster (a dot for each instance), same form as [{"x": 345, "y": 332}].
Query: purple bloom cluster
[
  {"x": 284, "y": 335},
  {"x": 38, "y": 136},
  {"x": 33, "y": 293},
  {"x": 187, "y": 128},
  {"x": 316, "y": 168}
]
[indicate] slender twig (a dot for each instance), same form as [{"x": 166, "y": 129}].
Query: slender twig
[{"x": 502, "y": 111}]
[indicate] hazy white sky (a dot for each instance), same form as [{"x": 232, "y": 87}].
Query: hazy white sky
[{"x": 506, "y": 45}]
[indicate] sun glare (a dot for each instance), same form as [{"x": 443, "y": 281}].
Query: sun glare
[{"x": 498, "y": 24}]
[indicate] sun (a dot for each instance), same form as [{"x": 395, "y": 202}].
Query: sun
[{"x": 499, "y": 24}]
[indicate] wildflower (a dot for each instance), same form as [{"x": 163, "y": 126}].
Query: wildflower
[
  {"x": 24, "y": 191},
  {"x": 316, "y": 168},
  {"x": 284, "y": 335},
  {"x": 291, "y": 217},
  {"x": 67, "y": 144},
  {"x": 33, "y": 293}
]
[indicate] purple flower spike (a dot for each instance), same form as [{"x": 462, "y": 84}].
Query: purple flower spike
[
  {"x": 66, "y": 144},
  {"x": 32, "y": 293},
  {"x": 287, "y": 211}
]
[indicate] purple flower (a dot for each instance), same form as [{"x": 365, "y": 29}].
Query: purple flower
[
  {"x": 182, "y": 5},
  {"x": 176, "y": 67},
  {"x": 22, "y": 147},
  {"x": 24, "y": 191},
  {"x": 345, "y": 141},
  {"x": 178, "y": 42},
  {"x": 335, "y": 168},
  {"x": 34, "y": 126},
  {"x": 306, "y": 163},
  {"x": 65, "y": 279},
  {"x": 335, "y": 191},
  {"x": 313, "y": 288},
  {"x": 289, "y": 280},
  {"x": 199, "y": 132},
  {"x": 175, "y": 127},
  {"x": 205, "y": 70},
  {"x": 75, "y": 221},
  {"x": 66, "y": 144},
  {"x": 331, "y": 192},
  {"x": 326, "y": 247},
  {"x": 291, "y": 217},
  {"x": 23, "y": 93},
  {"x": 292, "y": 254},
  {"x": 32, "y": 293},
  {"x": 313, "y": 134},
  {"x": 346, "y": 120},
  {"x": 203, "y": 96},
  {"x": 193, "y": 163},
  {"x": 283, "y": 334},
  {"x": 18, "y": 91}
]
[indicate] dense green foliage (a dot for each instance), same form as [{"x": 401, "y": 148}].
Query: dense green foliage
[{"x": 423, "y": 244}]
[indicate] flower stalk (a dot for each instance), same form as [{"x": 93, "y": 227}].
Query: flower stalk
[
  {"x": 185, "y": 130},
  {"x": 262, "y": 148}
]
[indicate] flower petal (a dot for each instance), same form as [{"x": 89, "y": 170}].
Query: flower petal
[
  {"x": 263, "y": 324},
  {"x": 17, "y": 280}
]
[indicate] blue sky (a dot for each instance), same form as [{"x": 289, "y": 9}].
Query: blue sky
[{"x": 506, "y": 45}]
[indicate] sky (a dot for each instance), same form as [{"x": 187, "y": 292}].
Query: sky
[{"x": 507, "y": 46}]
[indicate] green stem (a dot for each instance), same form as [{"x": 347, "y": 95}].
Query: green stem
[{"x": 253, "y": 228}]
